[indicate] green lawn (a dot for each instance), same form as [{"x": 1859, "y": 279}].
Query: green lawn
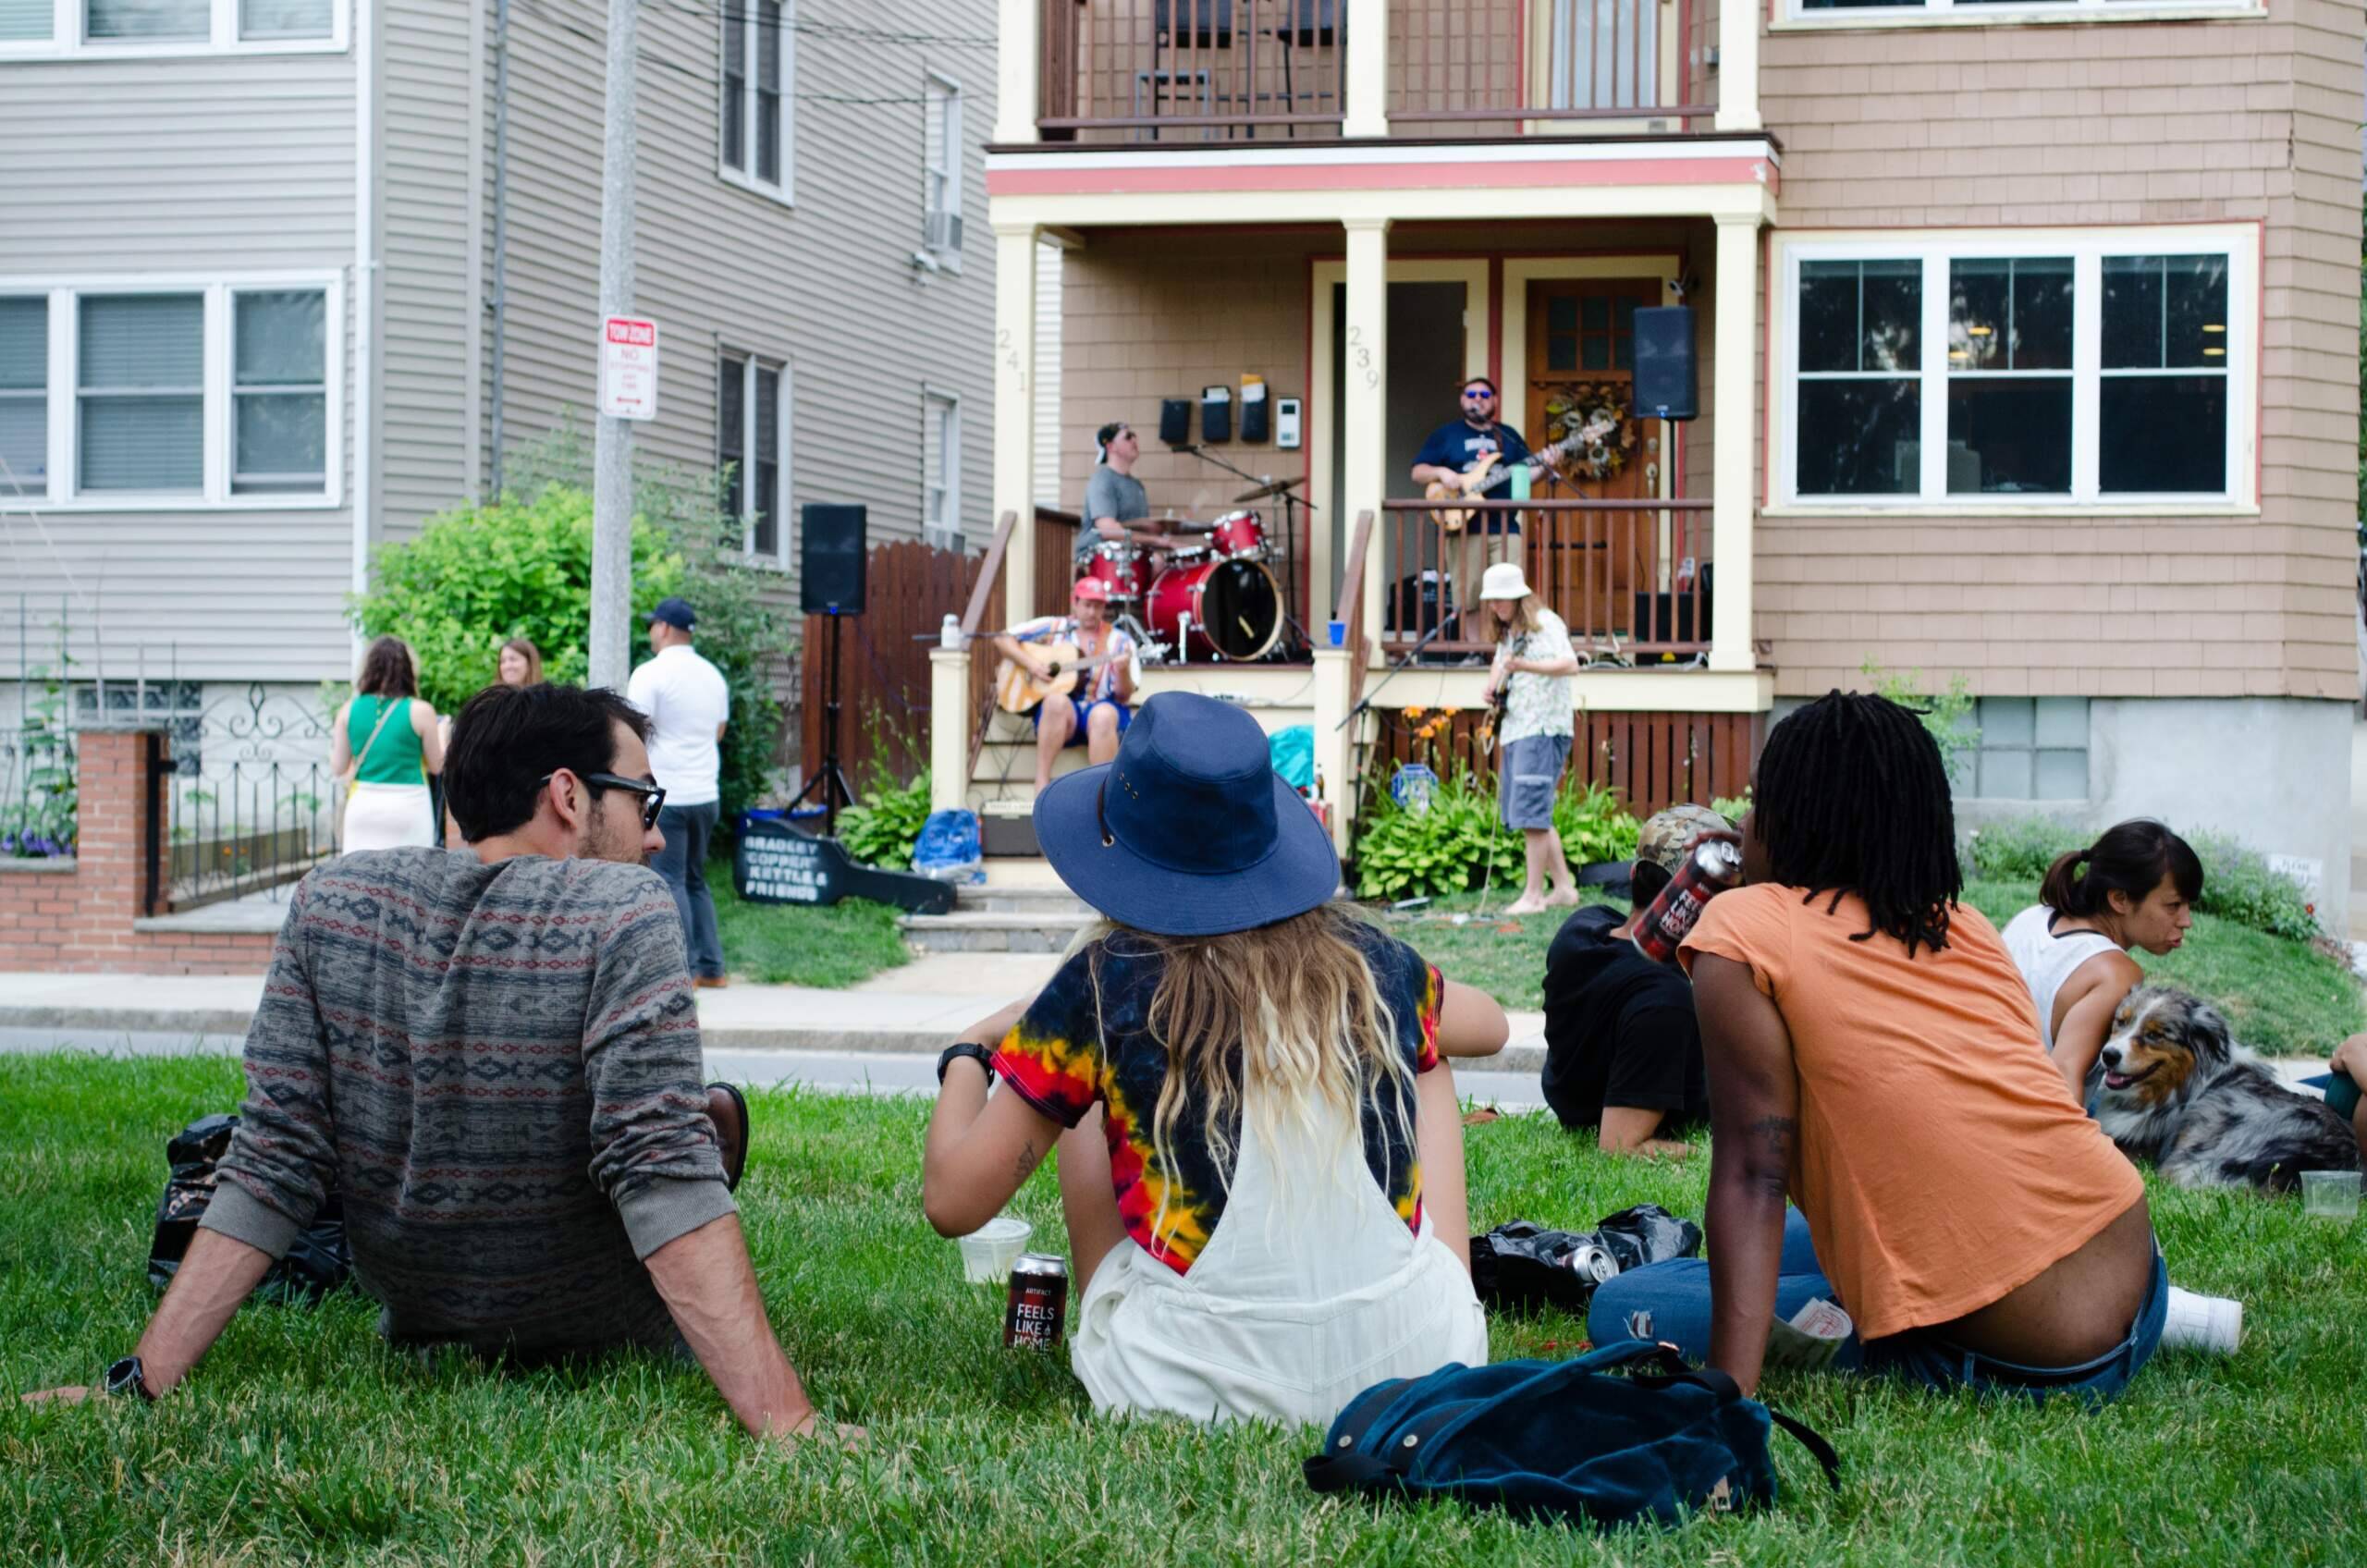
[
  {"x": 2284, "y": 999},
  {"x": 302, "y": 1440},
  {"x": 793, "y": 945}
]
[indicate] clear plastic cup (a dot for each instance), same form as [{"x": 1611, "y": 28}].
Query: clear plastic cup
[
  {"x": 2330, "y": 1195},
  {"x": 988, "y": 1252}
]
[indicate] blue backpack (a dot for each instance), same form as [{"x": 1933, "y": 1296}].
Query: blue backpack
[{"x": 1564, "y": 1440}]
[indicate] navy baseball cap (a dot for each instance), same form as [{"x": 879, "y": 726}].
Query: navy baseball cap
[{"x": 676, "y": 613}]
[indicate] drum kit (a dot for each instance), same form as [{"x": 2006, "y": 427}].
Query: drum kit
[{"x": 1213, "y": 600}]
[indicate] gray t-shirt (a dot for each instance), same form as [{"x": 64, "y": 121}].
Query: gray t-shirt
[{"x": 1110, "y": 494}]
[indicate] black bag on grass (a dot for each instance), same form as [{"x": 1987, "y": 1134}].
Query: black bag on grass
[
  {"x": 1521, "y": 1265},
  {"x": 316, "y": 1264},
  {"x": 1564, "y": 1440}
]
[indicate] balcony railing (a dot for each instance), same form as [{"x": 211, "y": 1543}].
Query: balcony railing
[
  {"x": 1200, "y": 71},
  {"x": 1633, "y": 580}
]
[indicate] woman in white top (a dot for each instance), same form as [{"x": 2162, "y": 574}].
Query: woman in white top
[{"x": 2133, "y": 887}]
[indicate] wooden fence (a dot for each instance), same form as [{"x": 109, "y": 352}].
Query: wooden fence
[
  {"x": 883, "y": 675},
  {"x": 1655, "y": 760}
]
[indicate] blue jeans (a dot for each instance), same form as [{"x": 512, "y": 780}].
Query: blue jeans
[
  {"x": 683, "y": 865},
  {"x": 1670, "y": 1301}
]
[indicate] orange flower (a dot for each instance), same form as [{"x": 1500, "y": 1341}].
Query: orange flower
[{"x": 1413, "y": 712}]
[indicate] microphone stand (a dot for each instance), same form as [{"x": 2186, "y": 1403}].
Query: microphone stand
[{"x": 1394, "y": 672}]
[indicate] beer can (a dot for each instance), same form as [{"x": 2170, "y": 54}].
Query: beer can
[
  {"x": 1591, "y": 1263},
  {"x": 1038, "y": 1309},
  {"x": 1711, "y": 865}
]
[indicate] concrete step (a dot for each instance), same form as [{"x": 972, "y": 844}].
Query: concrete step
[
  {"x": 998, "y": 931},
  {"x": 1034, "y": 902}
]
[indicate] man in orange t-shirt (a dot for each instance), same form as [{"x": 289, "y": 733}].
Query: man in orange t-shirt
[{"x": 1873, "y": 1053}]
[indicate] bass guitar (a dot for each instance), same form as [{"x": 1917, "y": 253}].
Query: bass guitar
[
  {"x": 1485, "y": 474},
  {"x": 1017, "y": 690}
]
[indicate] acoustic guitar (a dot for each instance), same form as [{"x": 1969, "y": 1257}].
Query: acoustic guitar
[
  {"x": 1485, "y": 474},
  {"x": 1017, "y": 692}
]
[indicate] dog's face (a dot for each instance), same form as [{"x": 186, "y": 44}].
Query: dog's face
[{"x": 2160, "y": 1039}]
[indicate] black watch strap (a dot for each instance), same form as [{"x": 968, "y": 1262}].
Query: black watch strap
[
  {"x": 129, "y": 1376},
  {"x": 984, "y": 1057}
]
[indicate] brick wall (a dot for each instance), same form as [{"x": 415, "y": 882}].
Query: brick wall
[
  {"x": 81, "y": 921},
  {"x": 2126, "y": 123}
]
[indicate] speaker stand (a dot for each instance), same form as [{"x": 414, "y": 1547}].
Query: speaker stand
[{"x": 831, "y": 780}]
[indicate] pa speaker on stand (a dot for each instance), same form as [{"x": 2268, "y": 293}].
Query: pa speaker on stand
[{"x": 831, "y": 566}]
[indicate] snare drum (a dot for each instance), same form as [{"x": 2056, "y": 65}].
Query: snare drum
[
  {"x": 1240, "y": 537},
  {"x": 1125, "y": 569}
]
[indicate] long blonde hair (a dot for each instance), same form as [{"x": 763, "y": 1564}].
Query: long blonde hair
[
  {"x": 1299, "y": 1003},
  {"x": 1524, "y": 618}
]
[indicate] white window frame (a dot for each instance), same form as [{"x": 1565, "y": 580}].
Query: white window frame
[
  {"x": 751, "y": 363},
  {"x": 69, "y": 39},
  {"x": 746, "y": 15},
  {"x": 944, "y": 161},
  {"x": 64, "y": 493},
  {"x": 946, "y": 532},
  {"x": 2087, "y": 247},
  {"x": 1792, "y": 15}
]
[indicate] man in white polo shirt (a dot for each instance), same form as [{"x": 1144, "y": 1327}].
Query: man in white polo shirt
[{"x": 687, "y": 704}]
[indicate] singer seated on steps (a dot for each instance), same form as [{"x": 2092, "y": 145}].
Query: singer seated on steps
[{"x": 1096, "y": 712}]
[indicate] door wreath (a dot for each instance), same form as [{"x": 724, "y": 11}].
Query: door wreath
[{"x": 1595, "y": 411}]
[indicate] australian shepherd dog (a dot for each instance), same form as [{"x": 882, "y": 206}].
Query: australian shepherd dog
[{"x": 2171, "y": 1085}]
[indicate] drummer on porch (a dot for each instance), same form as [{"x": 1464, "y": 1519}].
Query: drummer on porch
[
  {"x": 1114, "y": 499},
  {"x": 1094, "y": 712}
]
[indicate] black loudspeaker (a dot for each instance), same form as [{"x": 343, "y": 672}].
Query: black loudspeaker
[
  {"x": 1666, "y": 385},
  {"x": 1176, "y": 421},
  {"x": 832, "y": 563}
]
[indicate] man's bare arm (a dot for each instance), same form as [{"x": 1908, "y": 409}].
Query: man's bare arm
[
  {"x": 710, "y": 1288},
  {"x": 217, "y": 1274},
  {"x": 1754, "y": 1119}
]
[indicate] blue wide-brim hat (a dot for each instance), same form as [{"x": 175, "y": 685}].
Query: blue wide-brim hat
[{"x": 1190, "y": 832}]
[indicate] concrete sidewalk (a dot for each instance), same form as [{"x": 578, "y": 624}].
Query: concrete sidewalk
[{"x": 908, "y": 1012}]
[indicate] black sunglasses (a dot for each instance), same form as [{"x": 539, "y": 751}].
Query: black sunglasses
[
  {"x": 653, "y": 796},
  {"x": 1476, "y": 392}
]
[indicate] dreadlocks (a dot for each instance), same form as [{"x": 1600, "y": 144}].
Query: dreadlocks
[{"x": 1852, "y": 798}]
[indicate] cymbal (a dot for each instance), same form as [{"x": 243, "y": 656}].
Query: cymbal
[{"x": 1272, "y": 487}]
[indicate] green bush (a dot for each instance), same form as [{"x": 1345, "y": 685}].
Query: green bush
[
  {"x": 476, "y": 576},
  {"x": 882, "y": 830},
  {"x": 1460, "y": 842},
  {"x": 1946, "y": 716},
  {"x": 2237, "y": 882}
]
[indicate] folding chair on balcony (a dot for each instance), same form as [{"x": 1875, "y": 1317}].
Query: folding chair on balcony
[{"x": 1203, "y": 24}]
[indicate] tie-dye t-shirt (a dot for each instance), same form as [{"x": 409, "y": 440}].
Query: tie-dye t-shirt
[{"x": 1067, "y": 1053}]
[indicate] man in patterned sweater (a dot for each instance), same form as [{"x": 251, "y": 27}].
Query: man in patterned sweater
[{"x": 496, "y": 1059}]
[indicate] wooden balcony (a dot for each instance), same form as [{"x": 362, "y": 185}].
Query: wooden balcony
[{"x": 1196, "y": 71}]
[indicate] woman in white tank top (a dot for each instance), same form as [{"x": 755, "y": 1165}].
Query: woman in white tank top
[{"x": 2133, "y": 887}]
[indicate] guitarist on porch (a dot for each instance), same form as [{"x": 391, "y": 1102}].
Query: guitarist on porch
[
  {"x": 1450, "y": 452},
  {"x": 1091, "y": 707}
]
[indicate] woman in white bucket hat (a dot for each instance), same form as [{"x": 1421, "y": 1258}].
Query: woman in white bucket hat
[{"x": 1534, "y": 664}]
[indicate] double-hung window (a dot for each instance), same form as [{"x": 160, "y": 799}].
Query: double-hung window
[
  {"x": 2095, "y": 368},
  {"x": 142, "y": 394},
  {"x": 93, "y": 27},
  {"x": 941, "y": 168},
  {"x": 941, "y": 468},
  {"x": 758, "y": 59},
  {"x": 751, "y": 443},
  {"x": 1876, "y": 13}
]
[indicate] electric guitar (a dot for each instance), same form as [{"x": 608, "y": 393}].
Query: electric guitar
[
  {"x": 1016, "y": 690},
  {"x": 1501, "y": 703},
  {"x": 1485, "y": 474}
]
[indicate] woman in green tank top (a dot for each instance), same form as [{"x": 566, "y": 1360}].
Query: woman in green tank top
[{"x": 386, "y": 743}]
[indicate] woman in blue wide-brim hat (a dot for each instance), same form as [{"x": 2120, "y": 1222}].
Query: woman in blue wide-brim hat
[{"x": 1261, "y": 1155}]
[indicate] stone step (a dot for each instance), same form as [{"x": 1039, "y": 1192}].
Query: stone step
[
  {"x": 996, "y": 931},
  {"x": 1032, "y": 902}
]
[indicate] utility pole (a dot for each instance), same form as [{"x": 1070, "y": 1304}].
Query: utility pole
[{"x": 611, "y": 645}]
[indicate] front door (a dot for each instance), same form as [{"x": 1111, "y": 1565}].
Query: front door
[{"x": 1581, "y": 379}]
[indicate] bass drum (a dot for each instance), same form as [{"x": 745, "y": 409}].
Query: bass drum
[{"x": 1235, "y": 609}]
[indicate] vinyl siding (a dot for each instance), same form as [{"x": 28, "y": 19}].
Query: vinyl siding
[
  {"x": 205, "y": 167},
  {"x": 2161, "y": 123}
]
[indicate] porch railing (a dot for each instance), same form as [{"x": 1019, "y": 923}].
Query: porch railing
[
  {"x": 1633, "y": 580},
  {"x": 251, "y": 828},
  {"x": 1196, "y": 70}
]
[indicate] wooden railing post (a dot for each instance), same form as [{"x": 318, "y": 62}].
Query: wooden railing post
[{"x": 1339, "y": 686}]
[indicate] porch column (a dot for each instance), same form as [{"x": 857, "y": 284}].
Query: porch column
[
  {"x": 1018, "y": 56},
  {"x": 1014, "y": 490},
  {"x": 1364, "y": 393},
  {"x": 1734, "y": 406},
  {"x": 1738, "y": 67},
  {"x": 1335, "y": 745},
  {"x": 1367, "y": 110},
  {"x": 948, "y": 738}
]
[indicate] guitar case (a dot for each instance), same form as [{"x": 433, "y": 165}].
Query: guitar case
[{"x": 777, "y": 863}]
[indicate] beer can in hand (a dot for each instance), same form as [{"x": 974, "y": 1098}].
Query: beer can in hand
[
  {"x": 1039, "y": 1302},
  {"x": 1711, "y": 865}
]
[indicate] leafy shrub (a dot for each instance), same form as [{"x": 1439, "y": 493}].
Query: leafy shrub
[
  {"x": 1460, "y": 842},
  {"x": 1946, "y": 716},
  {"x": 2237, "y": 882},
  {"x": 882, "y": 830},
  {"x": 1734, "y": 808},
  {"x": 41, "y": 815}
]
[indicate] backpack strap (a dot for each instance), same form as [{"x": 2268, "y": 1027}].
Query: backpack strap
[
  {"x": 1814, "y": 1441},
  {"x": 1343, "y": 1466},
  {"x": 1728, "y": 1391}
]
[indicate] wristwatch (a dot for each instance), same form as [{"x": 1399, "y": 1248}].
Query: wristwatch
[
  {"x": 128, "y": 1377},
  {"x": 984, "y": 1057}
]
